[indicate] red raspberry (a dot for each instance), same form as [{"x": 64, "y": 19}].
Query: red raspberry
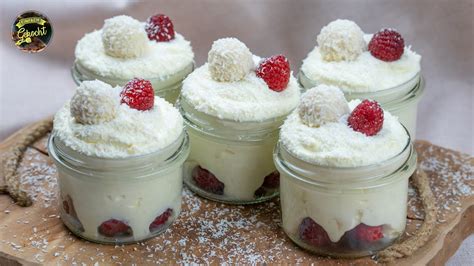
[
  {"x": 115, "y": 228},
  {"x": 207, "y": 181},
  {"x": 159, "y": 28},
  {"x": 387, "y": 45},
  {"x": 275, "y": 71},
  {"x": 362, "y": 237},
  {"x": 270, "y": 183},
  {"x": 160, "y": 220},
  {"x": 138, "y": 94},
  {"x": 312, "y": 233},
  {"x": 368, "y": 234},
  {"x": 272, "y": 180},
  {"x": 66, "y": 207},
  {"x": 367, "y": 118}
]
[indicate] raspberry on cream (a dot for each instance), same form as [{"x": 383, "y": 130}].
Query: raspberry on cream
[
  {"x": 387, "y": 45},
  {"x": 159, "y": 28},
  {"x": 337, "y": 144},
  {"x": 130, "y": 133},
  {"x": 342, "y": 59},
  {"x": 249, "y": 99},
  {"x": 275, "y": 71},
  {"x": 126, "y": 48}
]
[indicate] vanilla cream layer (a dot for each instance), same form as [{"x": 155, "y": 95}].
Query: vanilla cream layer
[
  {"x": 242, "y": 167},
  {"x": 137, "y": 203},
  {"x": 338, "y": 213},
  {"x": 161, "y": 61},
  {"x": 365, "y": 74}
]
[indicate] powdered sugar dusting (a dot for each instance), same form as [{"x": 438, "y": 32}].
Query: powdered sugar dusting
[{"x": 452, "y": 179}]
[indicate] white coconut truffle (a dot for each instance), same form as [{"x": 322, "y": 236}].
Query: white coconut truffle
[
  {"x": 322, "y": 104},
  {"x": 124, "y": 37},
  {"x": 229, "y": 60},
  {"x": 341, "y": 40},
  {"x": 94, "y": 102}
]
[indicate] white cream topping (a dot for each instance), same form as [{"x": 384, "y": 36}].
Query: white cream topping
[
  {"x": 336, "y": 144},
  {"x": 249, "y": 99},
  {"x": 160, "y": 60},
  {"x": 365, "y": 73},
  {"x": 131, "y": 133}
]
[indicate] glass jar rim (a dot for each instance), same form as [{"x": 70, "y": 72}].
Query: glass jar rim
[
  {"x": 412, "y": 93},
  {"x": 188, "y": 106},
  {"x": 80, "y": 73},
  {"x": 283, "y": 159},
  {"x": 241, "y": 131},
  {"x": 75, "y": 161}
]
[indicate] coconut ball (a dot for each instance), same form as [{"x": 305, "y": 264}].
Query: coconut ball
[
  {"x": 124, "y": 37},
  {"x": 229, "y": 60},
  {"x": 341, "y": 40},
  {"x": 94, "y": 102},
  {"x": 322, "y": 104}
]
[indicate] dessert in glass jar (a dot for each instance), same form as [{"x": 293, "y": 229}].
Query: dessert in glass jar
[
  {"x": 126, "y": 48},
  {"x": 233, "y": 107},
  {"x": 367, "y": 66},
  {"x": 344, "y": 171},
  {"x": 119, "y": 154}
]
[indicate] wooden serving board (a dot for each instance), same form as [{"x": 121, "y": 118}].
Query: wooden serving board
[{"x": 209, "y": 232}]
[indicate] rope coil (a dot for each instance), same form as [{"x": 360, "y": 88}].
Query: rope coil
[
  {"x": 388, "y": 255},
  {"x": 13, "y": 158}
]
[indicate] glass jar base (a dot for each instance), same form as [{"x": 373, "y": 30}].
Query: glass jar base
[
  {"x": 223, "y": 199},
  {"x": 72, "y": 225},
  {"x": 335, "y": 250}
]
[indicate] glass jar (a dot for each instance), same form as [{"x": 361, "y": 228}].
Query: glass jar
[
  {"x": 401, "y": 101},
  {"x": 344, "y": 212},
  {"x": 167, "y": 88},
  {"x": 230, "y": 161},
  {"x": 118, "y": 201}
]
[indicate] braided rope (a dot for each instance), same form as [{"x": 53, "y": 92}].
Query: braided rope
[{"x": 13, "y": 158}]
